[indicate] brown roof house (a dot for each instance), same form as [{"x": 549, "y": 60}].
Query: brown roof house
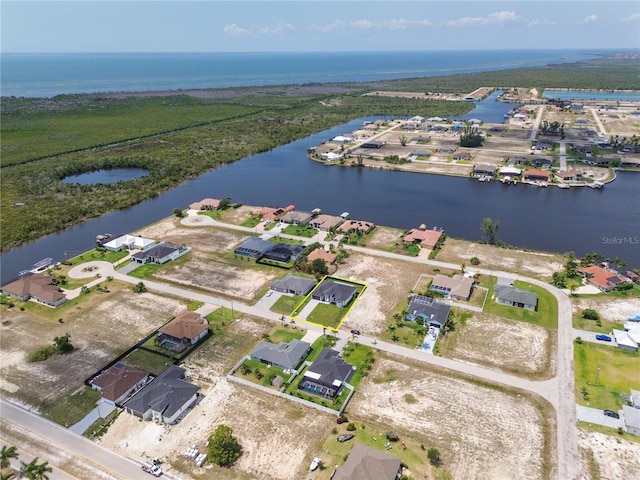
[
  {"x": 356, "y": 226},
  {"x": 426, "y": 238},
  {"x": 457, "y": 287},
  {"x": 119, "y": 382},
  {"x": 186, "y": 329},
  {"x": 366, "y": 463},
  {"x": 601, "y": 278},
  {"x": 35, "y": 287},
  {"x": 326, "y": 222},
  {"x": 323, "y": 254},
  {"x": 536, "y": 175}
]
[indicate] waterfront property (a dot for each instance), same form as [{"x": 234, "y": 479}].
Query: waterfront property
[
  {"x": 296, "y": 217},
  {"x": 129, "y": 242},
  {"x": 601, "y": 278},
  {"x": 356, "y": 226},
  {"x": 293, "y": 285},
  {"x": 35, "y": 287},
  {"x": 515, "y": 297},
  {"x": 119, "y": 382},
  {"x": 165, "y": 398},
  {"x": 423, "y": 237},
  {"x": 186, "y": 329},
  {"x": 536, "y": 175},
  {"x": 366, "y": 463},
  {"x": 273, "y": 213},
  {"x": 484, "y": 170},
  {"x": 326, "y": 222},
  {"x": 457, "y": 287},
  {"x": 327, "y": 375},
  {"x": 427, "y": 310},
  {"x": 285, "y": 356},
  {"x": 205, "y": 204},
  {"x": 161, "y": 253},
  {"x": 569, "y": 175}
]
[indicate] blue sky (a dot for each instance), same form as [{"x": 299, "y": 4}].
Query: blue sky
[{"x": 218, "y": 26}]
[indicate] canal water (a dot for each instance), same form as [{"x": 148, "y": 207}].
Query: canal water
[
  {"x": 107, "y": 176},
  {"x": 549, "y": 219}
]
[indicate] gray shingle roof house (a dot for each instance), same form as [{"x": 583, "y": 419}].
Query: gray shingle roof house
[
  {"x": 161, "y": 253},
  {"x": 366, "y": 463},
  {"x": 507, "y": 295},
  {"x": 283, "y": 252},
  {"x": 333, "y": 292},
  {"x": 285, "y": 356},
  {"x": 327, "y": 375},
  {"x": 481, "y": 170},
  {"x": 293, "y": 284},
  {"x": 253, "y": 247},
  {"x": 165, "y": 398},
  {"x": 429, "y": 310},
  {"x": 296, "y": 217},
  {"x": 457, "y": 287},
  {"x": 118, "y": 382}
]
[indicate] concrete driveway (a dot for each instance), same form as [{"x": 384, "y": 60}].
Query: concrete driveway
[{"x": 597, "y": 417}]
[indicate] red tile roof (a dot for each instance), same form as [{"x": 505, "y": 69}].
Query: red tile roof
[
  {"x": 601, "y": 277},
  {"x": 323, "y": 254},
  {"x": 426, "y": 238}
]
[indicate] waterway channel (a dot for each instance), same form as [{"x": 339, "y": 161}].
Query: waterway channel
[{"x": 548, "y": 219}]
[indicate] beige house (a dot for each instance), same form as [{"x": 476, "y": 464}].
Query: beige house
[
  {"x": 456, "y": 287},
  {"x": 35, "y": 287}
]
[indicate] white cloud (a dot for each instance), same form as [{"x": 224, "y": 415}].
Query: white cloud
[
  {"x": 590, "y": 18},
  {"x": 274, "y": 29},
  {"x": 330, "y": 27},
  {"x": 501, "y": 17},
  {"x": 634, "y": 17},
  {"x": 402, "y": 24},
  {"x": 363, "y": 24},
  {"x": 541, "y": 22}
]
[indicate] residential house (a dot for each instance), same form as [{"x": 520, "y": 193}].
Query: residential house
[
  {"x": 186, "y": 329},
  {"x": 296, "y": 217},
  {"x": 438, "y": 129},
  {"x": 293, "y": 284},
  {"x": 342, "y": 139},
  {"x": 601, "y": 278},
  {"x": 461, "y": 156},
  {"x": 331, "y": 156},
  {"x": 416, "y": 119},
  {"x": 576, "y": 108},
  {"x": 161, "y": 253},
  {"x": 520, "y": 117},
  {"x": 630, "y": 162},
  {"x": 457, "y": 287},
  {"x": 484, "y": 170},
  {"x": 36, "y": 287},
  {"x": 284, "y": 252},
  {"x": 447, "y": 150},
  {"x": 631, "y": 417},
  {"x": 582, "y": 121},
  {"x": 569, "y": 175},
  {"x": 436, "y": 119},
  {"x": 328, "y": 257},
  {"x": 371, "y": 127},
  {"x": 541, "y": 162},
  {"x": 536, "y": 175},
  {"x": 285, "y": 356},
  {"x": 627, "y": 339},
  {"x": 326, "y": 222},
  {"x": 205, "y": 204},
  {"x": 334, "y": 292},
  {"x": 119, "y": 382},
  {"x": 356, "y": 226},
  {"x": 598, "y": 161},
  {"x": 327, "y": 375},
  {"x": 589, "y": 133},
  {"x": 165, "y": 398},
  {"x": 497, "y": 128},
  {"x": 510, "y": 171},
  {"x": 420, "y": 153},
  {"x": 515, "y": 297},
  {"x": 517, "y": 161},
  {"x": 273, "y": 213},
  {"x": 129, "y": 242},
  {"x": 253, "y": 247},
  {"x": 475, "y": 121},
  {"x": 425, "y": 238},
  {"x": 366, "y": 463},
  {"x": 372, "y": 144},
  {"x": 586, "y": 149},
  {"x": 543, "y": 145},
  {"x": 427, "y": 310}
]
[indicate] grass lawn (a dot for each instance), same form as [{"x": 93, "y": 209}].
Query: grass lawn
[
  {"x": 328, "y": 315},
  {"x": 147, "y": 361},
  {"x": 300, "y": 231},
  {"x": 72, "y": 408},
  {"x": 285, "y": 304},
  {"x": 151, "y": 345},
  {"x": 215, "y": 214},
  {"x": 361, "y": 357},
  {"x": 96, "y": 254},
  {"x": 546, "y": 315},
  {"x": 251, "y": 222},
  {"x": 285, "y": 335},
  {"x": 260, "y": 373},
  {"x": 618, "y": 374},
  {"x": 592, "y": 325},
  {"x": 145, "y": 271},
  {"x": 410, "y": 249}
]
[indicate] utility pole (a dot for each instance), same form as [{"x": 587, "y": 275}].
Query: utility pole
[{"x": 597, "y": 372}]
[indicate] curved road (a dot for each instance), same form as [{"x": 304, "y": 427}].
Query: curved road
[{"x": 559, "y": 391}]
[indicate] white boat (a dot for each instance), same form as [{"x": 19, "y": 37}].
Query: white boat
[
  {"x": 39, "y": 267},
  {"x": 315, "y": 463}
]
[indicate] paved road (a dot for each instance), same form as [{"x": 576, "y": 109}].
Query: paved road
[
  {"x": 597, "y": 416},
  {"x": 536, "y": 123},
  {"x": 559, "y": 391},
  {"x": 563, "y": 155},
  {"x": 596, "y": 117},
  {"x": 98, "y": 459}
]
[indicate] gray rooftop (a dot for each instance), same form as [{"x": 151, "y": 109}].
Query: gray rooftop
[
  {"x": 515, "y": 295},
  {"x": 256, "y": 244},
  {"x": 329, "y": 369},
  {"x": 366, "y": 463},
  {"x": 339, "y": 291},
  {"x": 288, "y": 355},
  {"x": 428, "y": 306},
  {"x": 294, "y": 284}
]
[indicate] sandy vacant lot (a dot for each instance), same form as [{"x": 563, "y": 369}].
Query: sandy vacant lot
[
  {"x": 509, "y": 345},
  {"x": 481, "y": 432},
  {"x": 613, "y": 457},
  {"x": 610, "y": 309}
]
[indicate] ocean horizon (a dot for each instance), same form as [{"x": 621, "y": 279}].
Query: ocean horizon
[{"x": 46, "y": 75}]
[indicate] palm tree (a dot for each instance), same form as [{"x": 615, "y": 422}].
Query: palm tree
[
  {"x": 35, "y": 471},
  {"x": 6, "y": 454}
]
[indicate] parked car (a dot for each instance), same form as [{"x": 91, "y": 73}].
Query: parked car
[
  {"x": 355, "y": 332},
  {"x": 604, "y": 338},
  {"x": 268, "y": 294},
  {"x": 344, "y": 437},
  {"x": 611, "y": 413}
]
